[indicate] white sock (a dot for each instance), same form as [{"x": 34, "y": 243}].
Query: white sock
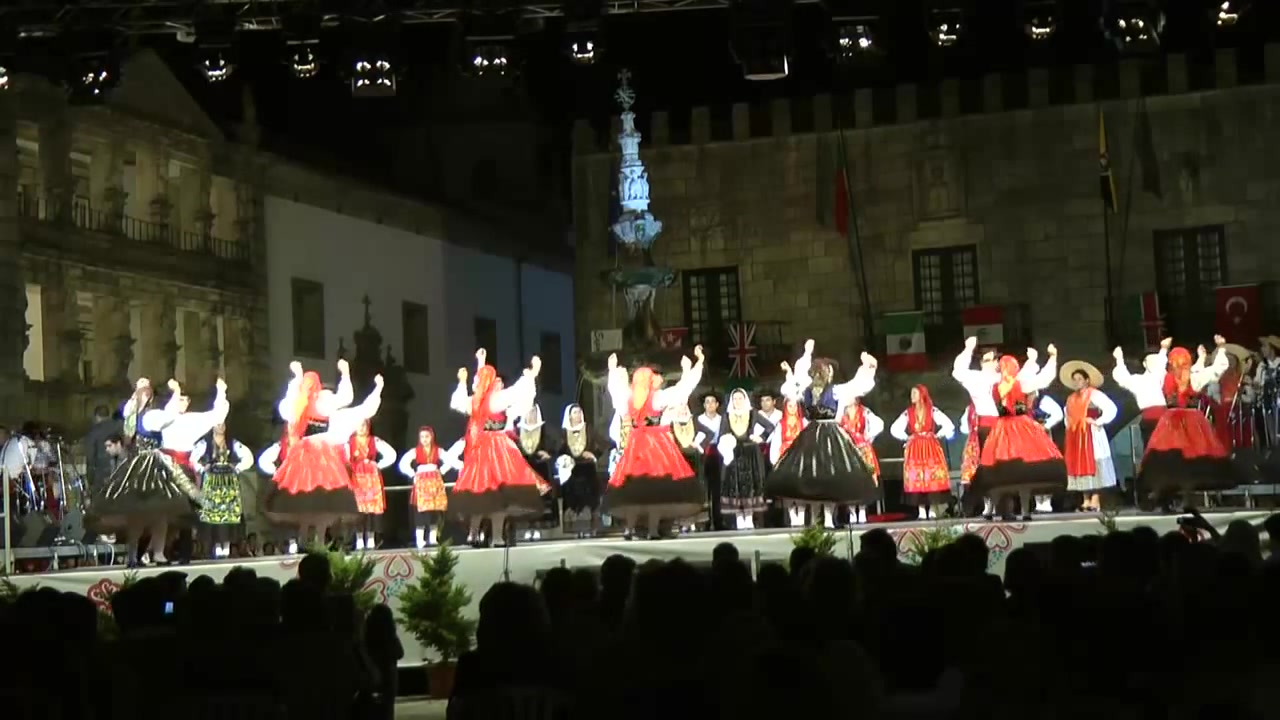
[
  {"x": 293, "y": 547},
  {"x": 828, "y": 518},
  {"x": 370, "y": 542},
  {"x": 750, "y": 521},
  {"x": 932, "y": 513},
  {"x": 862, "y": 514},
  {"x": 1044, "y": 503},
  {"x": 420, "y": 537},
  {"x": 988, "y": 508},
  {"x": 433, "y": 536},
  {"x": 359, "y": 542},
  {"x": 924, "y": 513}
]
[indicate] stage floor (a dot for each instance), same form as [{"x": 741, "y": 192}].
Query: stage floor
[{"x": 478, "y": 569}]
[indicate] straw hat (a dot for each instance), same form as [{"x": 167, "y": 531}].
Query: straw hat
[
  {"x": 1242, "y": 355},
  {"x": 1073, "y": 366},
  {"x": 1272, "y": 340}
]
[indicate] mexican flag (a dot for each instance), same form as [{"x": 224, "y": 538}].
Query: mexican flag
[
  {"x": 985, "y": 322},
  {"x": 904, "y": 341}
]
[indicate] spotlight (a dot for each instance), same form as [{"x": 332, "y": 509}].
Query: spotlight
[
  {"x": 373, "y": 77},
  {"x": 856, "y": 40},
  {"x": 1134, "y": 27},
  {"x": 582, "y": 51},
  {"x": 4, "y": 77},
  {"x": 303, "y": 62},
  {"x": 760, "y": 38},
  {"x": 215, "y": 67},
  {"x": 946, "y": 27},
  {"x": 91, "y": 77},
  {"x": 1040, "y": 19},
  {"x": 1228, "y": 13},
  {"x": 489, "y": 59}
]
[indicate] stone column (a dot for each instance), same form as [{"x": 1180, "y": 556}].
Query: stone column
[
  {"x": 204, "y": 213},
  {"x": 213, "y": 350},
  {"x": 114, "y": 343},
  {"x": 55, "y": 163},
  {"x": 108, "y": 182},
  {"x": 63, "y": 339},
  {"x": 13, "y": 293},
  {"x": 160, "y": 352},
  {"x": 162, "y": 200}
]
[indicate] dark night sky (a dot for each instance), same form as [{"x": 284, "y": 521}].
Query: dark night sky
[{"x": 678, "y": 60}]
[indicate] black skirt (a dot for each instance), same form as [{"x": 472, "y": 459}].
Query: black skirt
[
  {"x": 822, "y": 465},
  {"x": 581, "y": 490},
  {"x": 149, "y": 487},
  {"x": 742, "y": 481},
  {"x": 284, "y": 506},
  {"x": 1167, "y": 472}
]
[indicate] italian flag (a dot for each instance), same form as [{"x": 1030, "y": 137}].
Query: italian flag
[
  {"x": 904, "y": 341},
  {"x": 985, "y": 322}
]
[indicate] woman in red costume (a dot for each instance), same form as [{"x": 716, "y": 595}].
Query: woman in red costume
[
  {"x": 652, "y": 477},
  {"x": 425, "y": 464},
  {"x": 367, "y": 456},
  {"x": 1019, "y": 456},
  {"x": 1230, "y": 401},
  {"x": 789, "y": 427},
  {"x": 496, "y": 482},
  {"x": 925, "y": 475},
  {"x": 311, "y": 486},
  {"x": 1184, "y": 454},
  {"x": 863, "y": 427}
]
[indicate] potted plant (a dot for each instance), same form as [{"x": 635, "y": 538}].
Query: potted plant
[
  {"x": 431, "y": 610},
  {"x": 351, "y": 574},
  {"x": 926, "y": 540},
  {"x": 816, "y": 538}
]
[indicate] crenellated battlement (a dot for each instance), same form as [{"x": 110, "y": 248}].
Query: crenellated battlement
[{"x": 1170, "y": 74}]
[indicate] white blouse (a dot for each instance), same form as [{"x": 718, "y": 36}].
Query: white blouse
[
  {"x": 243, "y": 455},
  {"x": 943, "y": 427}
]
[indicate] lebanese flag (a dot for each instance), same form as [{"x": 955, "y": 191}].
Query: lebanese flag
[
  {"x": 1239, "y": 313},
  {"x": 985, "y": 322}
]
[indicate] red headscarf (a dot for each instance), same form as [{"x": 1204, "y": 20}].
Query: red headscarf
[
  {"x": 304, "y": 403},
  {"x": 482, "y": 391},
  {"x": 922, "y": 412},
  {"x": 371, "y": 447},
  {"x": 792, "y": 423},
  {"x": 1177, "y": 380},
  {"x": 1008, "y": 390},
  {"x": 427, "y": 455},
  {"x": 644, "y": 381}
]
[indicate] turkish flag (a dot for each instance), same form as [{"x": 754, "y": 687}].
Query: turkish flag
[{"x": 1239, "y": 313}]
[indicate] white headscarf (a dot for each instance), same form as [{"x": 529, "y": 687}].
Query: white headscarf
[
  {"x": 729, "y": 409},
  {"x": 537, "y": 412},
  {"x": 564, "y": 420}
]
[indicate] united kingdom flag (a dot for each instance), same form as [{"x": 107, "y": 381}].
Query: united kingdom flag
[{"x": 742, "y": 349}]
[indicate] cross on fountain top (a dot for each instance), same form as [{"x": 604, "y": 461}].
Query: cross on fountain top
[
  {"x": 625, "y": 96},
  {"x": 368, "y": 316}
]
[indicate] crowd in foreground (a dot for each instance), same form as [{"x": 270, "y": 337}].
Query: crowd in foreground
[{"x": 1129, "y": 624}]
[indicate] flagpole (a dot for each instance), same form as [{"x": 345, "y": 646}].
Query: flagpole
[
  {"x": 1108, "y": 318},
  {"x": 855, "y": 243}
]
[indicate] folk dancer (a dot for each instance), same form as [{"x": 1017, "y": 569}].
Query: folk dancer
[
  {"x": 311, "y": 488},
  {"x": 712, "y": 422},
  {"x": 537, "y": 442},
  {"x": 1086, "y": 448},
  {"x": 823, "y": 465},
  {"x": 788, "y": 429},
  {"x": 741, "y": 449},
  {"x": 652, "y": 477},
  {"x": 495, "y": 482},
  {"x": 769, "y": 407},
  {"x": 863, "y": 427},
  {"x": 155, "y": 487},
  {"x": 980, "y": 417},
  {"x": 926, "y": 478},
  {"x": 578, "y": 474},
  {"x": 692, "y": 442},
  {"x": 1230, "y": 401},
  {"x": 425, "y": 464},
  {"x": 1184, "y": 453},
  {"x": 619, "y": 430},
  {"x": 367, "y": 456},
  {"x": 1019, "y": 457},
  {"x": 218, "y": 461}
]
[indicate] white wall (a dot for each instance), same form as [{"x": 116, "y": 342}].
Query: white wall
[{"x": 352, "y": 257}]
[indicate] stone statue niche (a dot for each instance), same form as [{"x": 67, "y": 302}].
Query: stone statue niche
[
  {"x": 393, "y": 418},
  {"x": 367, "y": 362}
]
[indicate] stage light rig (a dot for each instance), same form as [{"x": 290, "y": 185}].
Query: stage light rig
[
  {"x": 946, "y": 26},
  {"x": 1134, "y": 26},
  {"x": 1040, "y": 19}
]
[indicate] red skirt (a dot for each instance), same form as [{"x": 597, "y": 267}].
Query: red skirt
[
  {"x": 428, "y": 492},
  {"x": 366, "y": 483},
  {"x": 1184, "y": 453},
  {"x": 496, "y": 479},
  {"x": 924, "y": 466},
  {"x": 1019, "y": 455},
  {"x": 868, "y": 455},
  {"x": 1078, "y": 451},
  {"x": 654, "y": 474},
  {"x": 312, "y": 464}
]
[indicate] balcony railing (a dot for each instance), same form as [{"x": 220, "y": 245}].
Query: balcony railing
[{"x": 82, "y": 215}]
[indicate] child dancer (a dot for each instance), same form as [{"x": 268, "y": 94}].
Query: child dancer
[{"x": 425, "y": 464}]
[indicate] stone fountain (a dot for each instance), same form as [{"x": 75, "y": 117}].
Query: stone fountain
[{"x": 636, "y": 275}]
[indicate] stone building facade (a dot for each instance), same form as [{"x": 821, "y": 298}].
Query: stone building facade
[
  {"x": 970, "y": 192},
  {"x": 131, "y": 246}
]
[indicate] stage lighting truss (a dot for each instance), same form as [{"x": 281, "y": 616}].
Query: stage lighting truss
[
  {"x": 760, "y": 38},
  {"x": 946, "y": 27},
  {"x": 373, "y": 76},
  {"x": 490, "y": 56},
  {"x": 582, "y": 43},
  {"x": 214, "y": 66}
]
